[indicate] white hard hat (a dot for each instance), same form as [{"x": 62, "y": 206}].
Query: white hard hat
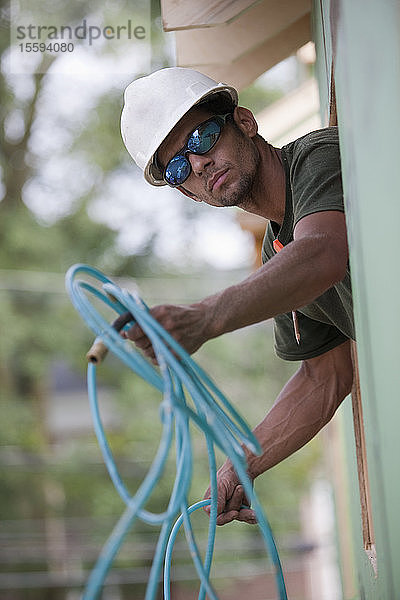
[{"x": 153, "y": 106}]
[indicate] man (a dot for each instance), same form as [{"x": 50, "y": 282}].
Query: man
[{"x": 185, "y": 130}]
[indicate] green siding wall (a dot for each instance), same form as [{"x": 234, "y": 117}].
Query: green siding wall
[{"x": 368, "y": 102}]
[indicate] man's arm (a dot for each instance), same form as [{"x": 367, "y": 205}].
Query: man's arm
[
  {"x": 306, "y": 403},
  {"x": 302, "y": 271}
]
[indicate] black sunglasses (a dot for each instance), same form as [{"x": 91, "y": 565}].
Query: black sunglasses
[{"x": 200, "y": 141}]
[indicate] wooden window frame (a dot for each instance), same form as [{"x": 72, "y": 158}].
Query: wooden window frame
[{"x": 358, "y": 419}]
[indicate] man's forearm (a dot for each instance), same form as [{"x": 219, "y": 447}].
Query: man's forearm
[
  {"x": 304, "y": 406},
  {"x": 301, "y": 272},
  {"x": 306, "y": 403}
]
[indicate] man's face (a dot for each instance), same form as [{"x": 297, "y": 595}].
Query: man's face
[{"x": 225, "y": 175}]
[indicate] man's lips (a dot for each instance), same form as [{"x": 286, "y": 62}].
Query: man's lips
[{"x": 217, "y": 180}]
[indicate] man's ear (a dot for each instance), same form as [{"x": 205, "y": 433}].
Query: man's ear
[
  {"x": 188, "y": 194},
  {"x": 245, "y": 120}
]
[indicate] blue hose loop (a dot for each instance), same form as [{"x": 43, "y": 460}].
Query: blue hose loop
[{"x": 188, "y": 395}]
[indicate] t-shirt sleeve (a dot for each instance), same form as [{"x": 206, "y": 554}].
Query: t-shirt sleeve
[
  {"x": 315, "y": 337},
  {"x": 316, "y": 176},
  {"x": 316, "y": 186}
]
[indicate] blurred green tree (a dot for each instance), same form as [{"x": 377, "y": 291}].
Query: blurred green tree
[
  {"x": 50, "y": 234},
  {"x": 37, "y": 323}
]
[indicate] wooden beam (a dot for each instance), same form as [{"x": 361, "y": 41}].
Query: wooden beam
[
  {"x": 242, "y": 72},
  {"x": 332, "y": 100},
  {"x": 189, "y": 14},
  {"x": 229, "y": 42},
  {"x": 362, "y": 464}
]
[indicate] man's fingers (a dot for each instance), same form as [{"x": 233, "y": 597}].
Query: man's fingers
[
  {"x": 227, "y": 517},
  {"x": 236, "y": 500},
  {"x": 247, "y": 515},
  {"x": 221, "y": 502},
  {"x": 238, "y": 508},
  {"x": 207, "y": 496},
  {"x": 135, "y": 334}
]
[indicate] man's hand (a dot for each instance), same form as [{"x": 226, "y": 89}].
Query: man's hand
[
  {"x": 186, "y": 323},
  {"x": 231, "y": 498}
]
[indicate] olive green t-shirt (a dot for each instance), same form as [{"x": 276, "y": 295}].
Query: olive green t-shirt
[{"x": 313, "y": 184}]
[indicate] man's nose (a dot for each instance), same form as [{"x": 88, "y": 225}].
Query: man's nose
[{"x": 200, "y": 162}]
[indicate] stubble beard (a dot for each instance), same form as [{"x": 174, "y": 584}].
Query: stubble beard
[
  {"x": 241, "y": 196},
  {"x": 243, "y": 193}
]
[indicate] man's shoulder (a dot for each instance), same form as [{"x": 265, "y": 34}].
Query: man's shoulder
[{"x": 317, "y": 138}]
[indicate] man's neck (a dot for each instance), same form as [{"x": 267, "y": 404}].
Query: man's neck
[{"x": 269, "y": 193}]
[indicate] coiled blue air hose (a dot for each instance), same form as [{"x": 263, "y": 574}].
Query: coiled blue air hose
[{"x": 179, "y": 379}]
